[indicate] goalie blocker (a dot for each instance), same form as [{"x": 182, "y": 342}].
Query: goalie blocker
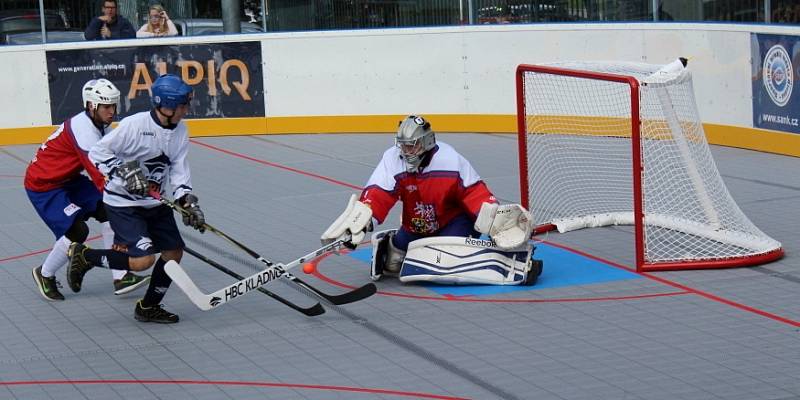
[{"x": 455, "y": 260}]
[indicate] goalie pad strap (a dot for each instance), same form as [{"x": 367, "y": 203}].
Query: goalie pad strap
[{"x": 464, "y": 260}]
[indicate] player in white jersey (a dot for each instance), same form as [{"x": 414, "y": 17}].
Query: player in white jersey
[
  {"x": 146, "y": 151},
  {"x": 65, "y": 198}
]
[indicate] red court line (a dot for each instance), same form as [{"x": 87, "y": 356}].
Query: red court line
[
  {"x": 647, "y": 275},
  {"x": 684, "y": 287},
  {"x": 271, "y": 164},
  {"x": 398, "y": 393},
  {"x": 33, "y": 253}
]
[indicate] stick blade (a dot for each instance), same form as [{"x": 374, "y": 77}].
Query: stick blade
[
  {"x": 179, "y": 276},
  {"x": 354, "y": 295}
]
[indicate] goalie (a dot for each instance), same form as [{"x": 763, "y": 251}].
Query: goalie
[{"x": 446, "y": 206}]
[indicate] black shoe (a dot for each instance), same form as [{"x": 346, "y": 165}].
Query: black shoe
[
  {"x": 48, "y": 287},
  {"x": 129, "y": 283},
  {"x": 78, "y": 266},
  {"x": 153, "y": 314},
  {"x": 535, "y": 271}
]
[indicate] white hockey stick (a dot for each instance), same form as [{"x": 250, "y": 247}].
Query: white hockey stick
[{"x": 207, "y": 302}]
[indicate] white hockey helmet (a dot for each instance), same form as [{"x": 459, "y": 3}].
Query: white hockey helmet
[
  {"x": 100, "y": 91},
  {"x": 414, "y": 138}
]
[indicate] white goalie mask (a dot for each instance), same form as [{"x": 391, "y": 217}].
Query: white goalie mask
[
  {"x": 100, "y": 91},
  {"x": 414, "y": 138}
]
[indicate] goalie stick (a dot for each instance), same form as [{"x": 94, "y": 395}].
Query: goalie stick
[
  {"x": 207, "y": 302},
  {"x": 354, "y": 295},
  {"x": 312, "y": 311}
]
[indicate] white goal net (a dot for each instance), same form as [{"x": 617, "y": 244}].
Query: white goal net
[{"x": 622, "y": 144}]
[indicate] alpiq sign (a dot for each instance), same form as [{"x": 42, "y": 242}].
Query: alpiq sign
[{"x": 226, "y": 77}]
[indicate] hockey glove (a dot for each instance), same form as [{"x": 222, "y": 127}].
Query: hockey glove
[
  {"x": 131, "y": 173},
  {"x": 194, "y": 215},
  {"x": 355, "y": 221},
  {"x": 508, "y": 225}
]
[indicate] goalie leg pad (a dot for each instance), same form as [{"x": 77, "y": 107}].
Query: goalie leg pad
[
  {"x": 380, "y": 241},
  {"x": 386, "y": 258},
  {"x": 465, "y": 261}
]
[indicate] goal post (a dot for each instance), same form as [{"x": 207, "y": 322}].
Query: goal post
[{"x": 611, "y": 143}]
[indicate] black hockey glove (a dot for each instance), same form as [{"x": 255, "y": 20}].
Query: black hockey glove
[
  {"x": 131, "y": 173},
  {"x": 194, "y": 215}
]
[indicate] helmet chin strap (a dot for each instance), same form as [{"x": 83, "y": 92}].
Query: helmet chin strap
[
  {"x": 97, "y": 121},
  {"x": 169, "y": 117}
]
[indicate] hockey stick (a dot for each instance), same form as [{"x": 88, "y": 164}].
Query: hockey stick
[
  {"x": 354, "y": 295},
  {"x": 312, "y": 311},
  {"x": 206, "y": 302}
]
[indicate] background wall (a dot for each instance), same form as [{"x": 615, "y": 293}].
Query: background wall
[{"x": 463, "y": 77}]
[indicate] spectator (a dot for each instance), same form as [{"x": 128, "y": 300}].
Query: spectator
[
  {"x": 109, "y": 25},
  {"x": 158, "y": 24}
]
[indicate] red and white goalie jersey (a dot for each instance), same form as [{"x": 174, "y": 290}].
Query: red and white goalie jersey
[
  {"x": 445, "y": 188},
  {"x": 64, "y": 155}
]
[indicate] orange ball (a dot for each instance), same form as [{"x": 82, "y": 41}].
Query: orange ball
[{"x": 309, "y": 268}]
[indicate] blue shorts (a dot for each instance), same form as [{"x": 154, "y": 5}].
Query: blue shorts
[
  {"x": 141, "y": 231},
  {"x": 60, "y": 208},
  {"x": 461, "y": 225}
]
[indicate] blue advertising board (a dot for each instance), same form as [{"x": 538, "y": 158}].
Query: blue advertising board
[
  {"x": 226, "y": 77},
  {"x": 776, "y": 87}
]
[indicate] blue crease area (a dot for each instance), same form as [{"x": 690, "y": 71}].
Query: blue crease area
[{"x": 561, "y": 268}]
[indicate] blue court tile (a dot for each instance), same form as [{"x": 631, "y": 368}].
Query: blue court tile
[{"x": 561, "y": 268}]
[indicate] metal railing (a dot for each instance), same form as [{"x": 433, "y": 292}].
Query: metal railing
[{"x": 304, "y": 15}]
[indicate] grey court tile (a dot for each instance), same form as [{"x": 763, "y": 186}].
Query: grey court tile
[{"x": 686, "y": 346}]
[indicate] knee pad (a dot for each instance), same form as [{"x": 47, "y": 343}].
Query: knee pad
[
  {"x": 385, "y": 256},
  {"x": 100, "y": 213},
  {"x": 394, "y": 257},
  {"x": 78, "y": 232}
]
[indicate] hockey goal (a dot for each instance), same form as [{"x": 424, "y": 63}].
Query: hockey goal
[{"x": 622, "y": 144}]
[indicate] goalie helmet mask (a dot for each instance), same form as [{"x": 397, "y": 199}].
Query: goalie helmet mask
[
  {"x": 100, "y": 91},
  {"x": 414, "y": 139}
]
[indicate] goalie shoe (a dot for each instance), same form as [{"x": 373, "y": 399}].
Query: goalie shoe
[{"x": 468, "y": 261}]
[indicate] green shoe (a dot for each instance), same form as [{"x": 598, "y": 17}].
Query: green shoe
[
  {"x": 155, "y": 313},
  {"x": 129, "y": 283},
  {"x": 48, "y": 287},
  {"x": 78, "y": 266}
]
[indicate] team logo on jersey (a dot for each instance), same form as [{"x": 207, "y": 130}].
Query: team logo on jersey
[
  {"x": 424, "y": 219},
  {"x": 71, "y": 209},
  {"x": 411, "y": 188},
  {"x": 778, "y": 75},
  {"x": 144, "y": 243}
]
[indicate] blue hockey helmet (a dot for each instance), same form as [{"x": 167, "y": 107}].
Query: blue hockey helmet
[{"x": 170, "y": 91}]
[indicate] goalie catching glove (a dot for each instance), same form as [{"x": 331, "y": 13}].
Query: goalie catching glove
[
  {"x": 355, "y": 221},
  {"x": 194, "y": 215},
  {"x": 508, "y": 225}
]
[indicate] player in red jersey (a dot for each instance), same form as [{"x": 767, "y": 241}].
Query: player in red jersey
[
  {"x": 63, "y": 197},
  {"x": 442, "y": 196}
]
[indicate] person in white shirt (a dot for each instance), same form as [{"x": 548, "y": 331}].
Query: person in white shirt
[
  {"x": 158, "y": 24},
  {"x": 146, "y": 151}
]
